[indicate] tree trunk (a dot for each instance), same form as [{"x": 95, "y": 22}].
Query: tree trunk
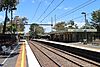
[{"x": 6, "y": 17}]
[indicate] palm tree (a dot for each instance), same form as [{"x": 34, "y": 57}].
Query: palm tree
[{"x": 7, "y": 5}]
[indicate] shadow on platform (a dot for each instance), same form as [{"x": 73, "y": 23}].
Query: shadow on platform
[{"x": 7, "y": 54}]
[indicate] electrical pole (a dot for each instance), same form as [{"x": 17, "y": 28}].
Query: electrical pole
[
  {"x": 55, "y": 19},
  {"x": 51, "y": 24}
]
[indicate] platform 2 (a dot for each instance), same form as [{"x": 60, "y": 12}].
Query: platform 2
[
  {"x": 89, "y": 51},
  {"x": 78, "y": 45}
]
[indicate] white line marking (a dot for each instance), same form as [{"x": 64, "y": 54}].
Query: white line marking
[{"x": 9, "y": 55}]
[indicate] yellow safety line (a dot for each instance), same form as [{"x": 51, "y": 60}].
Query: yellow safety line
[{"x": 23, "y": 56}]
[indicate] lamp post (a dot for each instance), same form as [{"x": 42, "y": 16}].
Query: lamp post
[
  {"x": 84, "y": 17},
  {"x": 85, "y": 25}
]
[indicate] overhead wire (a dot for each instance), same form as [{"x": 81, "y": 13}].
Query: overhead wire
[
  {"x": 45, "y": 10},
  {"x": 52, "y": 11},
  {"x": 37, "y": 8},
  {"x": 70, "y": 12},
  {"x": 81, "y": 17},
  {"x": 75, "y": 7}
]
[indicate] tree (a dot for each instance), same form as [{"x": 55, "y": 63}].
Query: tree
[
  {"x": 59, "y": 26},
  {"x": 11, "y": 28},
  {"x": 87, "y": 26},
  {"x": 24, "y": 20},
  {"x": 20, "y": 23},
  {"x": 96, "y": 19},
  {"x": 17, "y": 25},
  {"x": 71, "y": 25},
  {"x": 7, "y": 5},
  {"x": 35, "y": 30}
]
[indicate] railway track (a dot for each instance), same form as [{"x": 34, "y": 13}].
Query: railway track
[{"x": 49, "y": 56}]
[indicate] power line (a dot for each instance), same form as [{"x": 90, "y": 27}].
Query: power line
[
  {"x": 76, "y": 7},
  {"x": 51, "y": 11},
  {"x": 80, "y": 8},
  {"x": 37, "y": 9},
  {"x": 45, "y": 10},
  {"x": 74, "y": 10}
]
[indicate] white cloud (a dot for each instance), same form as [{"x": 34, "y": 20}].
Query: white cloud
[
  {"x": 33, "y": 1},
  {"x": 66, "y": 8}
]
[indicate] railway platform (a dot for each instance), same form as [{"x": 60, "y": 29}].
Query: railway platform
[
  {"x": 89, "y": 51},
  {"x": 62, "y": 56},
  {"x": 79, "y": 45},
  {"x": 20, "y": 56}
]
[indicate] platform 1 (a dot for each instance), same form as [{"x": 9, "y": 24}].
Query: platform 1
[
  {"x": 26, "y": 57},
  {"x": 20, "y": 56}
]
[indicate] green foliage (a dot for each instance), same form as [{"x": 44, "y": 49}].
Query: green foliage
[
  {"x": 87, "y": 26},
  {"x": 96, "y": 16},
  {"x": 20, "y": 23},
  {"x": 35, "y": 30},
  {"x": 96, "y": 19},
  {"x": 71, "y": 22},
  {"x": 17, "y": 25},
  {"x": 59, "y": 26},
  {"x": 8, "y": 4},
  {"x": 71, "y": 25},
  {"x": 8, "y": 29}
]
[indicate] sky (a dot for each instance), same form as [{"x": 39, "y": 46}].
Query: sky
[{"x": 64, "y": 12}]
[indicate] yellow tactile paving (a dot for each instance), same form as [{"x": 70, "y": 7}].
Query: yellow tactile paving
[{"x": 21, "y": 61}]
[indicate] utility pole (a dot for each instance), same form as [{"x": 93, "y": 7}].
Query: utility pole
[
  {"x": 51, "y": 24},
  {"x": 55, "y": 19}
]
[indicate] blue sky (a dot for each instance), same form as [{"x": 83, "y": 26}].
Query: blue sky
[{"x": 28, "y": 8}]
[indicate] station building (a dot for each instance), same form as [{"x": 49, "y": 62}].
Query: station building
[{"x": 74, "y": 35}]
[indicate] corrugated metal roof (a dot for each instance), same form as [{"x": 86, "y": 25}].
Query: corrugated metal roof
[{"x": 75, "y": 30}]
